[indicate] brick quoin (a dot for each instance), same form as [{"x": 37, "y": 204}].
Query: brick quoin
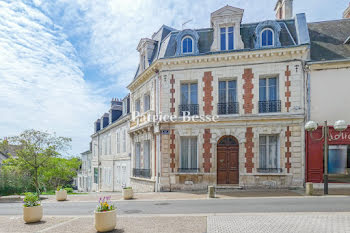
[
  {"x": 172, "y": 91},
  {"x": 172, "y": 148},
  {"x": 208, "y": 89},
  {"x": 207, "y": 154},
  {"x": 288, "y": 145},
  {"x": 249, "y": 144},
  {"x": 287, "y": 93},
  {"x": 248, "y": 91}
]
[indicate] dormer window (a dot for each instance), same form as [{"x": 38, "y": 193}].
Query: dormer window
[
  {"x": 187, "y": 45},
  {"x": 226, "y": 38},
  {"x": 267, "y": 37}
]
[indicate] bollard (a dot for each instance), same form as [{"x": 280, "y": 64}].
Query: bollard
[
  {"x": 309, "y": 188},
  {"x": 211, "y": 192}
]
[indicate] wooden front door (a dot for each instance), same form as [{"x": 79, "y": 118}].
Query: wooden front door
[{"x": 227, "y": 161}]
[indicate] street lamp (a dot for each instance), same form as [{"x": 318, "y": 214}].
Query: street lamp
[{"x": 339, "y": 126}]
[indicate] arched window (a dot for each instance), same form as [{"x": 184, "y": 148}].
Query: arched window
[
  {"x": 267, "y": 37},
  {"x": 187, "y": 43}
]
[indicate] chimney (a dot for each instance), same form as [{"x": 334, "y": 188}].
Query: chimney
[
  {"x": 104, "y": 120},
  {"x": 97, "y": 125},
  {"x": 346, "y": 14},
  {"x": 116, "y": 110},
  {"x": 284, "y": 9}
]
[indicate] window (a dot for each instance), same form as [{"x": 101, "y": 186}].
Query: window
[
  {"x": 189, "y": 98},
  {"x": 138, "y": 106},
  {"x": 146, "y": 100},
  {"x": 188, "y": 159},
  {"x": 267, "y": 37},
  {"x": 268, "y": 95},
  {"x": 227, "y": 38},
  {"x": 95, "y": 175},
  {"x": 146, "y": 154},
  {"x": 109, "y": 146},
  {"x": 124, "y": 140},
  {"x": 269, "y": 160},
  {"x": 143, "y": 62},
  {"x": 339, "y": 163},
  {"x": 118, "y": 142},
  {"x": 228, "y": 97},
  {"x": 187, "y": 45},
  {"x": 105, "y": 145},
  {"x": 137, "y": 155}
]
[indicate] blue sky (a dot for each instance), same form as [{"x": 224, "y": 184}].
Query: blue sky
[{"x": 62, "y": 61}]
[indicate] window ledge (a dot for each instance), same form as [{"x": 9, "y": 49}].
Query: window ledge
[
  {"x": 190, "y": 173},
  {"x": 142, "y": 179},
  {"x": 268, "y": 174}
]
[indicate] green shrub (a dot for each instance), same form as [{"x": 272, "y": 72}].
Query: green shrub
[
  {"x": 59, "y": 188},
  {"x": 127, "y": 188},
  {"x": 31, "y": 200},
  {"x": 69, "y": 190}
]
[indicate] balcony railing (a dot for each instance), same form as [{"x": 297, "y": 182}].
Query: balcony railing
[
  {"x": 188, "y": 170},
  {"x": 192, "y": 109},
  {"x": 269, "y": 106},
  {"x": 270, "y": 170},
  {"x": 228, "y": 108},
  {"x": 144, "y": 173}
]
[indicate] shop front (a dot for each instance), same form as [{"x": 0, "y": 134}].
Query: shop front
[{"x": 338, "y": 156}]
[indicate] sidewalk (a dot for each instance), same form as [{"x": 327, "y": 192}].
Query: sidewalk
[{"x": 210, "y": 223}]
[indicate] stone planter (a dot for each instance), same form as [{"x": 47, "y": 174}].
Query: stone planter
[
  {"x": 105, "y": 221},
  {"x": 61, "y": 195},
  {"x": 128, "y": 194},
  {"x": 32, "y": 214}
]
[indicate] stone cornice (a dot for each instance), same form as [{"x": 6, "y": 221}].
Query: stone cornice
[
  {"x": 124, "y": 119},
  {"x": 325, "y": 65},
  {"x": 238, "y": 56}
]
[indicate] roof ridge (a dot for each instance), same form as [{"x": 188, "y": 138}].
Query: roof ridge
[{"x": 325, "y": 21}]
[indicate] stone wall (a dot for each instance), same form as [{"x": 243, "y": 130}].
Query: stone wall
[{"x": 141, "y": 185}]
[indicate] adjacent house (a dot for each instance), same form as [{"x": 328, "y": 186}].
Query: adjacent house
[
  {"x": 328, "y": 79},
  {"x": 249, "y": 76},
  {"x": 111, "y": 148},
  {"x": 85, "y": 174}
]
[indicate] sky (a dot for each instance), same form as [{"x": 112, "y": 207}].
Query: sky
[{"x": 61, "y": 62}]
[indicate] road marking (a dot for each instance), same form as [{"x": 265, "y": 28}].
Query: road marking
[{"x": 59, "y": 224}]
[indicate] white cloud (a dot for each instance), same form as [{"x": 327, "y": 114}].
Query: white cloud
[{"x": 41, "y": 83}]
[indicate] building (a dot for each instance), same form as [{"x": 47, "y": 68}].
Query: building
[
  {"x": 245, "y": 86},
  {"x": 328, "y": 75},
  {"x": 85, "y": 174},
  {"x": 111, "y": 148}
]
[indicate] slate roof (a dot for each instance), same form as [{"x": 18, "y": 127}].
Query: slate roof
[{"x": 327, "y": 40}]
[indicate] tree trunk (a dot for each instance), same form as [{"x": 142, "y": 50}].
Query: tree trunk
[{"x": 36, "y": 182}]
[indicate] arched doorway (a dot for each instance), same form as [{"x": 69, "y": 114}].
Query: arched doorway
[{"x": 227, "y": 160}]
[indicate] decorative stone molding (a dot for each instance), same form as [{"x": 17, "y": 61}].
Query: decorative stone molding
[
  {"x": 288, "y": 92},
  {"x": 288, "y": 146},
  {"x": 207, "y": 148},
  {"x": 208, "y": 89},
  {"x": 248, "y": 91},
  {"x": 195, "y": 37},
  {"x": 172, "y": 149},
  {"x": 172, "y": 91},
  {"x": 249, "y": 154},
  {"x": 276, "y": 32}
]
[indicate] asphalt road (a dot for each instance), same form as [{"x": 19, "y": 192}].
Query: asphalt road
[{"x": 238, "y": 205}]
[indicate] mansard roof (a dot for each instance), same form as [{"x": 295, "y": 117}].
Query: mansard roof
[{"x": 328, "y": 40}]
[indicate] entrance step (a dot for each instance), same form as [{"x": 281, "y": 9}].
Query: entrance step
[{"x": 227, "y": 188}]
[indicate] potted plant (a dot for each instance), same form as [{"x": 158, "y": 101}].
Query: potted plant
[
  {"x": 32, "y": 209},
  {"x": 105, "y": 215},
  {"x": 61, "y": 194},
  {"x": 128, "y": 193}
]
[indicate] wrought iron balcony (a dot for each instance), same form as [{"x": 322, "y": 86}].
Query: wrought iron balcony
[
  {"x": 189, "y": 108},
  {"x": 269, "y": 106},
  {"x": 188, "y": 170},
  {"x": 144, "y": 173},
  {"x": 270, "y": 170},
  {"x": 228, "y": 108}
]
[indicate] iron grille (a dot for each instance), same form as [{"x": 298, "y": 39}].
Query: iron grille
[
  {"x": 188, "y": 170},
  {"x": 191, "y": 108},
  {"x": 144, "y": 173},
  {"x": 227, "y": 108},
  {"x": 269, "y": 106},
  {"x": 270, "y": 170}
]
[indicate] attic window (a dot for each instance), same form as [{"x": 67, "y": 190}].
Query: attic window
[
  {"x": 267, "y": 37},
  {"x": 187, "y": 43}
]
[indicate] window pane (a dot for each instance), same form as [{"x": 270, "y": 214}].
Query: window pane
[
  {"x": 232, "y": 91},
  {"x": 223, "y": 38},
  {"x": 273, "y": 158},
  {"x": 269, "y": 37},
  {"x": 264, "y": 38},
  {"x": 184, "y": 46},
  {"x": 273, "y": 89},
  {"x": 194, "y": 99},
  {"x": 184, "y": 152},
  {"x": 262, "y": 152},
  {"x": 184, "y": 93},
  {"x": 230, "y": 38},
  {"x": 337, "y": 159},
  {"x": 137, "y": 155},
  {"x": 262, "y": 89},
  {"x": 222, "y": 92},
  {"x": 189, "y": 45},
  {"x": 146, "y": 154},
  {"x": 193, "y": 153}
]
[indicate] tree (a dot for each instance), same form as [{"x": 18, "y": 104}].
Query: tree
[
  {"x": 59, "y": 171},
  {"x": 34, "y": 150}
]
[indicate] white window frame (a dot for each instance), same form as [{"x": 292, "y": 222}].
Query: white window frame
[
  {"x": 148, "y": 97},
  {"x": 226, "y": 89},
  {"x": 124, "y": 140},
  {"x": 226, "y": 37},
  {"x": 118, "y": 141},
  {"x": 273, "y": 38},
  {"x": 138, "y": 103},
  {"x": 185, "y": 37},
  {"x": 267, "y": 146},
  {"x": 267, "y": 87},
  {"x": 189, "y": 150}
]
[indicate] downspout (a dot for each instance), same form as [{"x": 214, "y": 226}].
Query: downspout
[{"x": 98, "y": 163}]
